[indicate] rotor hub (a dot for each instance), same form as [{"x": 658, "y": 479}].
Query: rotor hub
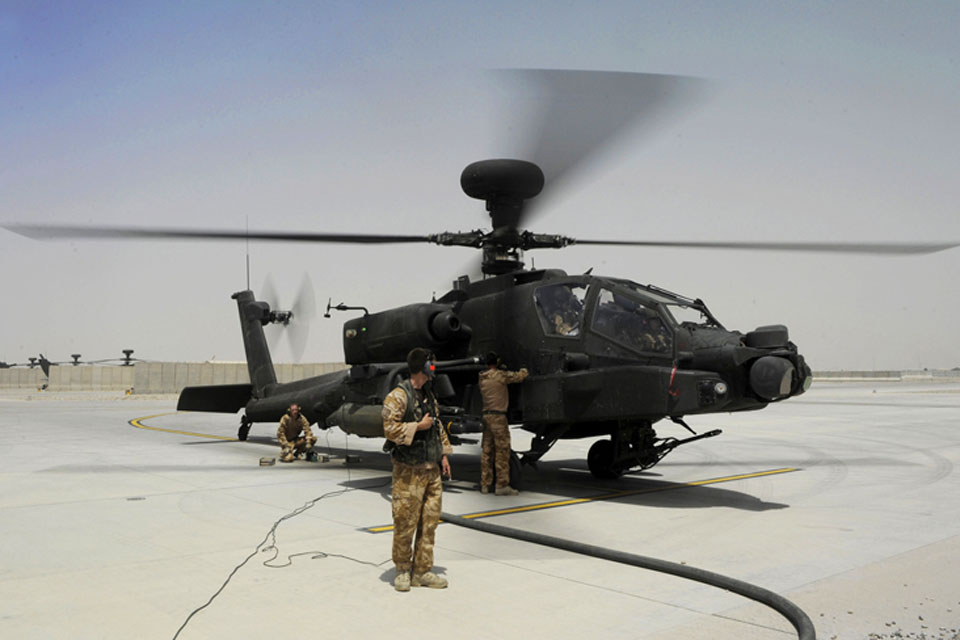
[
  {"x": 498, "y": 259},
  {"x": 504, "y": 185}
]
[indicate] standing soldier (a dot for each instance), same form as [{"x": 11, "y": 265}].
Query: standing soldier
[
  {"x": 496, "y": 433},
  {"x": 419, "y": 446},
  {"x": 292, "y": 444}
]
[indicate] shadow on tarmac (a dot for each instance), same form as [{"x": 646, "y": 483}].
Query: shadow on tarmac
[
  {"x": 558, "y": 480},
  {"x": 388, "y": 575},
  {"x": 561, "y": 480}
]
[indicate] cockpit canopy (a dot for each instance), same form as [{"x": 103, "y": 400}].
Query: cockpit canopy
[
  {"x": 631, "y": 322},
  {"x": 639, "y": 318},
  {"x": 561, "y": 308}
]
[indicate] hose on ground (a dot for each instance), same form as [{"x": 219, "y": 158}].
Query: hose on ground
[{"x": 800, "y": 621}]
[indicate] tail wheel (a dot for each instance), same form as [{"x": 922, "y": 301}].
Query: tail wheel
[{"x": 600, "y": 460}]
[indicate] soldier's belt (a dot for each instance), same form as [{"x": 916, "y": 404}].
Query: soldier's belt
[{"x": 494, "y": 412}]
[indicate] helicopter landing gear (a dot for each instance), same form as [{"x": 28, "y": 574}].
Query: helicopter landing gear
[
  {"x": 244, "y": 430},
  {"x": 541, "y": 443},
  {"x": 634, "y": 445},
  {"x": 600, "y": 459},
  {"x": 627, "y": 447},
  {"x": 516, "y": 477}
]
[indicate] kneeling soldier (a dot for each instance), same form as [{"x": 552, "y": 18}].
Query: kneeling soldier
[{"x": 292, "y": 444}]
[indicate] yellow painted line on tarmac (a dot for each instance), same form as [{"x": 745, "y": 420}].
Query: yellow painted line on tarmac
[
  {"x": 386, "y": 527},
  {"x": 606, "y": 496},
  {"x": 138, "y": 423}
]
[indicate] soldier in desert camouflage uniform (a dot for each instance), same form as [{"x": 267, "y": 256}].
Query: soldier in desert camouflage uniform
[
  {"x": 292, "y": 444},
  {"x": 496, "y": 432},
  {"x": 419, "y": 446}
]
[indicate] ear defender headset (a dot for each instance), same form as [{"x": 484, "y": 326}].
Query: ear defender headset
[{"x": 427, "y": 365}]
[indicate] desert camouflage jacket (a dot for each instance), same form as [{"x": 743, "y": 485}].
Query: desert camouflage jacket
[
  {"x": 493, "y": 387},
  {"x": 290, "y": 429},
  {"x": 400, "y": 432}
]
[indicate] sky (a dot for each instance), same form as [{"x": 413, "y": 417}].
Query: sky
[{"x": 822, "y": 121}]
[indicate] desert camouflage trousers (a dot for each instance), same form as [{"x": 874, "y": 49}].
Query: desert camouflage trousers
[
  {"x": 496, "y": 450},
  {"x": 417, "y": 502},
  {"x": 291, "y": 450}
]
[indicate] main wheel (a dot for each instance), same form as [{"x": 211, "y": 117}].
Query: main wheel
[
  {"x": 600, "y": 460},
  {"x": 516, "y": 472},
  {"x": 244, "y": 430}
]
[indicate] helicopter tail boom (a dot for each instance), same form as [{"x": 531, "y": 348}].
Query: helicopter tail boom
[{"x": 253, "y": 316}]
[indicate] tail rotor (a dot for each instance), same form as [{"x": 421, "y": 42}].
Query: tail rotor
[{"x": 294, "y": 322}]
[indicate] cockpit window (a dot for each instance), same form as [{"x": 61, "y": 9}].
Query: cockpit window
[
  {"x": 686, "y": 316},
  {"x": 681, "y": 311},
  {"x": 631, "y": 323},
  {"x": 561, "y": 308}
]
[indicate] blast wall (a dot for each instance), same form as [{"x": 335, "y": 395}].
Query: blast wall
[
  {"x": 21, "y": 378},
  {"x": 172, "y": 377},
  {"x": 150, "y": 377},
  {"x": 90, "y": 378}
]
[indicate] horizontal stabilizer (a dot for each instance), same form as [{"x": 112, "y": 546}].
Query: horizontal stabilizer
[{"x": 221, "y": 398}]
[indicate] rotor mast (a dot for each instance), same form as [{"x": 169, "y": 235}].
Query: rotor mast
[{"x": 504, "y": 185}]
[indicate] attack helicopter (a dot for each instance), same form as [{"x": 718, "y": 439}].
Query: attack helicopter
[{"x": 608, "y": 357}]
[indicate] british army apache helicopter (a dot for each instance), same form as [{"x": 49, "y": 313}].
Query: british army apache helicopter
[{"x": 608, "y": 356}]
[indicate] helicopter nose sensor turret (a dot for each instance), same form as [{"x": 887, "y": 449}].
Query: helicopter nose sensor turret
[{"x": 771, "y": 377}]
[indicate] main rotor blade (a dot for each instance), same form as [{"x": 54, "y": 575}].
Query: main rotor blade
[
  {"x": 576, "y": 113},
  {"x": 881, "y": 248},
  {"x": 60, "y": 232}
]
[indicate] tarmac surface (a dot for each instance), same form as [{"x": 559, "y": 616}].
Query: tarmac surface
[{"x": 120, "y": 517}]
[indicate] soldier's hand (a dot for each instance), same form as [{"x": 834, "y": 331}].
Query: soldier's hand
[
  {"x": 445, "y": 468},
  {"x": 425, "y": 423}
]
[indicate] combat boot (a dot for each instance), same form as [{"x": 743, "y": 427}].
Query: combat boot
[
  {"x": 287, "y": 457},
  {"x": 431, "y": 580},
  {"x": 402, "y": 581},
  {"x": 507, "y": 491}
]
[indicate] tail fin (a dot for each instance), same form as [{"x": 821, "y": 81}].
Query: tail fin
[{"x": 253, "y": 316}]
